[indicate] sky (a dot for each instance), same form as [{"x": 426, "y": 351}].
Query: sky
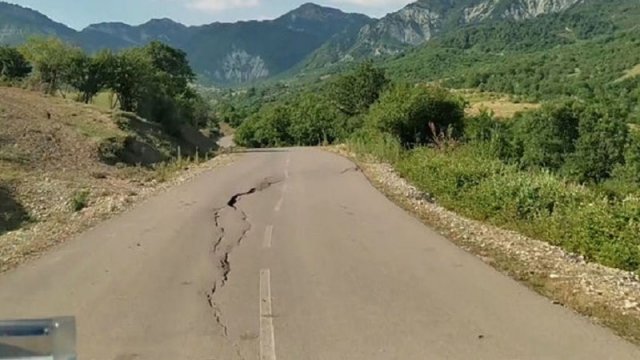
[{"x": 80, "y": 13}]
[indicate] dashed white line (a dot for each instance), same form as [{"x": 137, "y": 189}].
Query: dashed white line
[
  {"x": 286, "y": 168},
  {"x": 268, "y": 236},
  {"x": 279, "y": 204},
  {"x": 267, "y": 336}
]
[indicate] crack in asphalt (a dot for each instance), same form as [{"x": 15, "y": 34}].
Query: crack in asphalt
[
  {"x": 355, "y": 168},
  {"x": 222, "y": 253}
]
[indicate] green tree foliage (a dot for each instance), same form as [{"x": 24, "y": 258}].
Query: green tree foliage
[
  {"x": 319, "y": 114},
  {"x": 538, "y": 33},
  {"x": 414, "y": 113},
  {"x": 544, "y": 138},
  {"x": 129, "y": 77},
  {"x": 308, "y": 120},
  {"x": 89, "y": 74},
  {"x": 170, "y": 65},
  {"x": 51, "y": 58},
  {"x": 314, "y": 121},
  {"x": 536, "y": 71},
  {"x": 268, "y": 128},
  {"x": 13, "y": 65},
  {"x": 354, "y": 92},
  {"x": 163, "y": 91},
  {"x": 600, "y": 146},
  {"x": 154, "y": 81}
]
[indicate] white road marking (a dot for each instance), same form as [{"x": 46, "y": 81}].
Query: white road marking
[
  {"x": 279, "y": 204},
  {"x": 285, "y": 187},
  {"x": 268, "y": 235},
  {"x": 267, "y": 336},
  {"x": 286, "y": 168}
]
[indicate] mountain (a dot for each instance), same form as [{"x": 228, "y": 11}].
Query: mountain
[
  {"x": 221, "y": 53},
  {"x": 18, "y": 23},
  {"x": 423, "y": 20},
  {"x": 315, "y": 37},
  {"x": 119, "y": 35},
  {"x": 234, "y": 53},
  {"x": 322, "y": 21}
]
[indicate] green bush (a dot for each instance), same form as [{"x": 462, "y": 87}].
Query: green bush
[
  {"x": 80, "y": 200},
  {"x": 382, "y": 146},
  {"x": 267, "y": 128},
  {"x": 408, "y": 112},
  {"x": 628, "y": 174},
  {"x": 448, "y": 175},
  {"x": 600, "y": 146},
  {"x": 536, "y": 203},
  {"x": 354, "y": 92},
  {"x": 545, "y": 137},
  {"x": 13, "y": 64},
  {"x": 482, "y": 127},
  {"x": 314, "y": 121}
]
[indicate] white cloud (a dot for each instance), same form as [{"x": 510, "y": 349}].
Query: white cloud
[{"x": 219, "y": 5}]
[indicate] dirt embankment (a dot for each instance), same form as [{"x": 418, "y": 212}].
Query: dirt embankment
[{"x": 64, "y": 166}]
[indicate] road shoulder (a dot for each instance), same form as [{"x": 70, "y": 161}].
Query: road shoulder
[
  {"x": 607, "y": 296},
  {"x": 36, "y": 239}
]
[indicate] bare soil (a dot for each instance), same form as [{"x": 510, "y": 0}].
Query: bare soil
[{"x": 50, "y": 165}]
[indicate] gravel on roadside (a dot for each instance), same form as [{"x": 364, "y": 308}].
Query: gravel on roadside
[{"x": 608, "y": 296}]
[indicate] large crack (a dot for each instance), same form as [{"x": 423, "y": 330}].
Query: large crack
[{"x": 223, "y": 247}]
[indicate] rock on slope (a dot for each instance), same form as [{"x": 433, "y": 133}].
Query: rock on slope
[{"x": 420, "y": 21}]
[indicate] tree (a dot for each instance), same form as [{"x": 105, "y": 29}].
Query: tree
[
  {"x": 13, "y": 65},
  {"x": 168, "y": 97},
  {"x": 266, "y": 128},
  {"x": 354, "y": 93},
  {"x": 170, "y": 65},
  {"x": 129, "y": 77},
  {"x": 51, "y": 58},
  {"x": 314, "y": 121},
  {"x": 547, "y": 136},
  {"x": 600, "y": 145},
  {"x": 89, "y": 75},
  {"x": 410, "y": 112},
  {"x": 629, "y": 172}
]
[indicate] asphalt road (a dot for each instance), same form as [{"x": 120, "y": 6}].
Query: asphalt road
[{"x": 289, "y": 254}]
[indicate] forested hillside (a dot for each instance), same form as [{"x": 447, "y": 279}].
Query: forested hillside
[
  {"x": 566, "y": 172},
  {"x": 316, "y": 39},
  {"x": 221, "y": 53}
]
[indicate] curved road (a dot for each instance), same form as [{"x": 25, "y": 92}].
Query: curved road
[{"x": 289, "y": 254}]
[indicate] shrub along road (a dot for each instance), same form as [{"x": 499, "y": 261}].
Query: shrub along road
[{"x": 289, "y": 254}]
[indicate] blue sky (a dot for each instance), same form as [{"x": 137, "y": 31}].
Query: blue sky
[{"x": 80, "y": 13}]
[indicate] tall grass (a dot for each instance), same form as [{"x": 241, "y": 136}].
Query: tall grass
[
  {"x": 382, "y": 146},
  {"x": 539, "y": 204}
]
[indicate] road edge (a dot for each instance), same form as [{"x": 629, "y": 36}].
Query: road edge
[
  {"x": 585, "y": 297},
  {"x": 105, "y": 209}
]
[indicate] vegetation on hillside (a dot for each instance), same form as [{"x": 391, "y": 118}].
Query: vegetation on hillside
[
  {"x": 566, "y": 172},
  {"x": 153, "y": 81}
]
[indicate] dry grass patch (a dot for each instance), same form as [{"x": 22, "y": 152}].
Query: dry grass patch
[{"x": 633, "y": 72}]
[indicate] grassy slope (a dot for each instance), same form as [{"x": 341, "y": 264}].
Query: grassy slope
[
  {"x": 50, "y": 154},
  {"x": 49, "y": 151}
]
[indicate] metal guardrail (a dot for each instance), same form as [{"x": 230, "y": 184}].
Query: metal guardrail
[{"x": 52, "y": 339}]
